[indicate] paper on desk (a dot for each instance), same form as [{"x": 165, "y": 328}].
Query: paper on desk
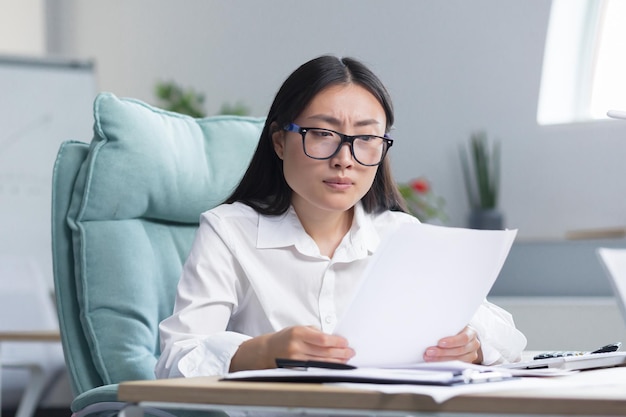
[
  {"x": 441, "y": 394},
  {"x": 573, "y": 383},
  {"x": 424, "y": 283},
  {"x": 460, "y": 366}
]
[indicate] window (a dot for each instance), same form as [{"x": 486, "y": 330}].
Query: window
[
  {"x": 584, "y": 68},
  {"x": 609, "y": 76}
]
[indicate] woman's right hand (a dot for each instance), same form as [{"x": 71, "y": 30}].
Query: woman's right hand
[{"x": 297, "y": 342}]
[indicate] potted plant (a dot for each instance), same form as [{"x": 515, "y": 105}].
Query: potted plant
[
  {"x": 481, "y": 172},
  {"x": 422, "y": 202},
  {"x": 175, "y": 98}
]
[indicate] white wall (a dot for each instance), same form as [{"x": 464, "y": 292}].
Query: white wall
[
  {"x": 22, "y": 29},
  {"x": 452, "y": 66},
  {"x": 566, "y": 323}
]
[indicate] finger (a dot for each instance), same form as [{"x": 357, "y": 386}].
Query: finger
[
  {"x": 469, "y": 357},
  {"x": 329, "y": 352},
  {"x": 464, "y": 337},
  {"x": 464, "y": 352},
  {"x": 324, "y": 340},
  {"x": 339, "y": 357},
  {"x": 317, "y": 345}
]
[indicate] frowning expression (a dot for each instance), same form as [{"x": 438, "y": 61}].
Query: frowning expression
[{"x": 338, "y": 183}]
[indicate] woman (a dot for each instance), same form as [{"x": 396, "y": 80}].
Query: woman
[{"x": 272, "y": 269}]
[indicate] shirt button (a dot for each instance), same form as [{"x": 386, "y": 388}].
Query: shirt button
[{"x": 328, "y": 319}]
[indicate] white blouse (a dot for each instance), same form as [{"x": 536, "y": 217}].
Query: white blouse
[{"x": 249, "y": 274}]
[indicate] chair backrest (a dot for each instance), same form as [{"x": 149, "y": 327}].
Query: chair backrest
[{"x": 125, "y": 209}]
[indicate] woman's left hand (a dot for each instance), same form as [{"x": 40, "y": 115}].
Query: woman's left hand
[{"x": 463, "y": 346}]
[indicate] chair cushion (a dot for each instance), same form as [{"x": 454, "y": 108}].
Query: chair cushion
[
  {"x": 103, "y": 394},
  {"x": 83, "y": 374},
  {"x": 133, "y": 214}
]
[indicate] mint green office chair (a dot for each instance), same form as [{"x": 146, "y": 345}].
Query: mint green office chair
[{"x": 125, "y": 209}]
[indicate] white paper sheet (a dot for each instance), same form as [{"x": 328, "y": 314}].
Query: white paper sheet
[
  {"x": 425, "y": 282},
  {"x": 443, "y": 394},
  {"x": 594, "y": 384}
]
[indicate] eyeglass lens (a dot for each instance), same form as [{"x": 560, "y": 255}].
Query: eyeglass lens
[{"x": 322, "y": 144}]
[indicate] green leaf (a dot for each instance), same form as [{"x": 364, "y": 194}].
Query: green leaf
[{"x": 481, "y": 171}]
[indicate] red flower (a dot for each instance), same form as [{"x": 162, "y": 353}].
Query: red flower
[{"x": 420, "y": 185}]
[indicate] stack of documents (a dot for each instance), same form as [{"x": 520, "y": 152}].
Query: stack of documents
[{"x": 442, "y": 374}]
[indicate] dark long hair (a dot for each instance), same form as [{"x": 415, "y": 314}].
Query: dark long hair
[{"x": 263, "y": 186}]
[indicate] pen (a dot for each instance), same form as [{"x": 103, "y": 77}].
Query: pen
[{"x": 294, "y": 363}]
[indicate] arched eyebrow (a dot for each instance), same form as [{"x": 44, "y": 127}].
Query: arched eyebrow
[{"x": 335, "y": 122}]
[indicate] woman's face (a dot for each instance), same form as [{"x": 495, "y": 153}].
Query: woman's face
[{"x": 338, "y": 183}]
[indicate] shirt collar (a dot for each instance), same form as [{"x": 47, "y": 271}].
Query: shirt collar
[
  {"x": 279, "y": 231},
  {"x": 286, "y": 230}
]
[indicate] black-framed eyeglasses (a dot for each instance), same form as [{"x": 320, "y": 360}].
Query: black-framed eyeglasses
[{"x": 318, "y": 143}]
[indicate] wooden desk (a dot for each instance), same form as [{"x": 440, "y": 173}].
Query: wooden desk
[
  {"x": 589, "y": 393},
  {"x": 28, "y": 336},
  {"x": 38, "y": 381}
]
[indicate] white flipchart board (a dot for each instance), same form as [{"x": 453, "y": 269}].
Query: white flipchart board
[{"x": 43, "y": 102}]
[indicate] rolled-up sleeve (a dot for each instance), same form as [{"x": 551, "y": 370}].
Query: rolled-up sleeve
[
  {"x": 501, "y": 341},
  {"x": 209, "y": 356}
]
